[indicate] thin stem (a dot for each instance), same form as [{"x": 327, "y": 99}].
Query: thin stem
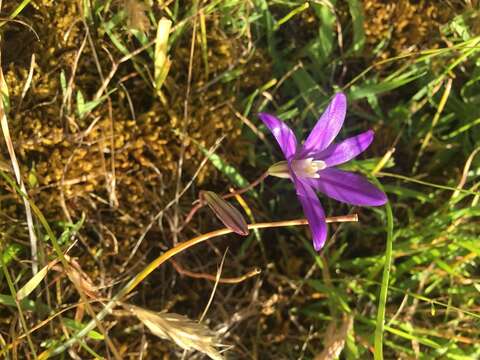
[
  {"x": 247, "y": 188},
  {"x": 201, "y": 238},
  {"x": 426, "y": 183},
  {"x": 382, "y": 301}
]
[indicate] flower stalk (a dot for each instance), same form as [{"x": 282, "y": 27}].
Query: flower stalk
[{"x": 132, "y": 284}]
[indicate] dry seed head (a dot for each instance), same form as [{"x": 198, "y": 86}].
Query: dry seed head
[{"x": 186, "y": 333}]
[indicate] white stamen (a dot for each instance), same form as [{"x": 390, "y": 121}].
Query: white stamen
[{"x": 308, "y": 168}]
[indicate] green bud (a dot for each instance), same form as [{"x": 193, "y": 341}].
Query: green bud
[{"x": 279, "y": 169}]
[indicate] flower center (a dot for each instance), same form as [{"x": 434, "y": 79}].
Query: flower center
[
  {"x": 304, "y": 168},
  {"x": 308, "y": 168}
]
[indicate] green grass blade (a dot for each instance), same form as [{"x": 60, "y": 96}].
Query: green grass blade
[
  {"x": 360, "y": 92},
  {"x": 379, "y": 328},
  {"x": 356, "y": 11},
  {"x": 16, "y": 11}
]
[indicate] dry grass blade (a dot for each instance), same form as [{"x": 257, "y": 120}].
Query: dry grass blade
[
  {"x": 162, "y": 62},
  {"x": 28, "y": 82},
  {"x": 186, "y": 333},
  {"x": 34, "y": 281},
  {"x": 217, "y": 280},
  {"x": 436, "y": 118},
  {"x": 466, "y": 169},
  {"x": 4, "y": 104}
]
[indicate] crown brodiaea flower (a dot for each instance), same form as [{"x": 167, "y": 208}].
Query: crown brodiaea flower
[{"x": 311, "y": 166}]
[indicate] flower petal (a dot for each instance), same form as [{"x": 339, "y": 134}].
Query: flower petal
[
  {"x": 284, "y": 135},
  {"x": 327, "y": 127},
  {"x": 342, "y": 152},
  {"x": 313, "y": 211},
  {"x": 348, "y": 187}
]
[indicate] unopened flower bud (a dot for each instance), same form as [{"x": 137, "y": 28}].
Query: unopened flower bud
[{"x": 225, "y": 212}]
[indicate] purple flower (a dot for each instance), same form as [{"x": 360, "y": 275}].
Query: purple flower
[{"x": 311, "y": 166}]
